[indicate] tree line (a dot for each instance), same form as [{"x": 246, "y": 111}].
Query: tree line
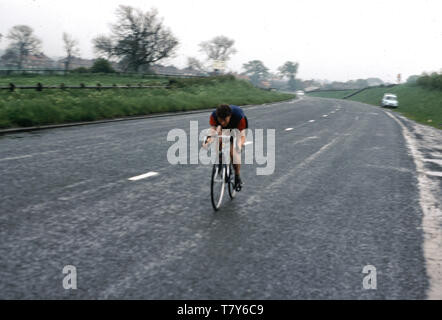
[
  {"x": 136, "y": 41},
  {"x": 430, "y": 81}
]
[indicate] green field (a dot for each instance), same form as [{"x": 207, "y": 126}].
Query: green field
[
  {"x": 331, "y": 94},
  {"x": 417, "y": 103},
  {"x": 23, "y": 108}
]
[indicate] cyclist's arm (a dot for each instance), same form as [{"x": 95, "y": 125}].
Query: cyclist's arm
[
  {"x": 212, "y": 132},
  {"x": 242, "y": 129},
  {"x": 242, "y": 138},
  {"x": 215, "y": 128}
]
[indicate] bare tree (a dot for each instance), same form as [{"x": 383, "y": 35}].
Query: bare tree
[
  {"x": 219, "y": 48},
  {"x": 23, "y": 44},
  {"x": 195, "y": 64},
  {"x": 137, "y": 40},
  {"x": 71, "y": 49},
  {"x": 290, "y": 69},
  {"x": 256, "y": 70}
]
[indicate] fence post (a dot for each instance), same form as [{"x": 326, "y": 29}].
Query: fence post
[
  {"x": 39, "y": 87},
  {"x": 98, "y": 86},
  {"x": 11, "y": 87}
]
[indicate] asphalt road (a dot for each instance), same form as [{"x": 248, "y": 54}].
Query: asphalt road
[{"x": 344, "y": 194}]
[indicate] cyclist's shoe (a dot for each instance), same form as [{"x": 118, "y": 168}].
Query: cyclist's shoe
[{"x": 238, "y": 182}]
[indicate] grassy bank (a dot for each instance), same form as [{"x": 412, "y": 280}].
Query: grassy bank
[
  {"x": 417, "y": 103},
  {"x": 23, "y": 108}
]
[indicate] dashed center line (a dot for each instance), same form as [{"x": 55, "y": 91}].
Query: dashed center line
[
  {"x": 144, "y": 176},
  {"x": 311, "y": 120},
  {"x": 289, "y": 129},
  {"x": 325, "y": 115}
]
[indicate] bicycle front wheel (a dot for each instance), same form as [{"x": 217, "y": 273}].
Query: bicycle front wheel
[
  {"x": 231, "y": 182},
  {"x": 218, "y": 185}
]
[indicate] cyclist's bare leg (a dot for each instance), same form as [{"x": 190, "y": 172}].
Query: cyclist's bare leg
[{"x": 235, "y": 158}]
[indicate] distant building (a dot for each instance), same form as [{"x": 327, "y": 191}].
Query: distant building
[
  {"x": 37, "y": 61},
  {"x": 168, "y": 70},
  {"x": 241, "y": 76},
  {"x": 75, "y": 63},
  {"x": 265, "y": 84},
  {"x": 309, "y": 89},
  {"x": 192, "y": 72}
]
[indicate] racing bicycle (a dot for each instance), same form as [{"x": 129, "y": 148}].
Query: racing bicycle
[{"x": 223, "y": 175}]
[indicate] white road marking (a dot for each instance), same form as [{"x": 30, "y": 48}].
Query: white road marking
[
  {"x": 325, "y": 115},
  {"x": 289, "y": 129},
  {"x": 248, "y": 142},
  {"x": 306, "y": 139},
  {"x": 433, "y": 173},
  {"x": 437, "y": 155},
  {"x": 437, "y": 161},
  {"x": 288, "y": 175},
  {"x": 16, "y": 158},
  {"x": 29, "y": 155},
  {"x": 144, "y": 176},
  {"x": 311, "y": 120}
]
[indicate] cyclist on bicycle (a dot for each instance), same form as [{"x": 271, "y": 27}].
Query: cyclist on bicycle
[{"x": 231, "y": 117}]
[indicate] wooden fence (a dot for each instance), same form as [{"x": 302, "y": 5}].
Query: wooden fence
[
  {"x": 8, "y": 72},
  {"x": 40, "y": 87}
]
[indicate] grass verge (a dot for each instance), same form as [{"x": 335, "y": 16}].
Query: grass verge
[{"x": 24, "y": 108}]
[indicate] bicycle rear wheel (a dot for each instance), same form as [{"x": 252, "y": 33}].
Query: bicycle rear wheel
[{"x": 217, "y": 185}]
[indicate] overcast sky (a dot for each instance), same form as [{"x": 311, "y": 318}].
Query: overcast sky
[{"x": 335, "y": 40}]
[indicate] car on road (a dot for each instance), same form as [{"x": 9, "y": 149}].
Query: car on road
[{"x": 389, "y": 100}]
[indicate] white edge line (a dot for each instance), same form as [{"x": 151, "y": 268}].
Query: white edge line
[{"x": 431, "y": 217}]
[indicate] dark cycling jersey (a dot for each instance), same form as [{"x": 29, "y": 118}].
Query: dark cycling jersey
[{"x": 237, "y": 121}]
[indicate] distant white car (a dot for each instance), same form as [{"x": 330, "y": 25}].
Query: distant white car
[
  {"x": 299, "y": 93},
  {"x": 389, "y": 100}
]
